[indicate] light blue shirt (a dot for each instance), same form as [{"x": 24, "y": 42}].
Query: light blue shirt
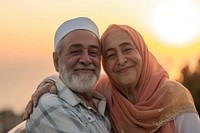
[{"x": 66, "y": 113}]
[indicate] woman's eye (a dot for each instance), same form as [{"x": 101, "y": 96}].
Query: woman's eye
[
  {"x": 127, "y": 49},
  {"x": 109, "y": 56}
]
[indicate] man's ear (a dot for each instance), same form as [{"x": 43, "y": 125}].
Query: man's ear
[{"x": 55, "y": 61}]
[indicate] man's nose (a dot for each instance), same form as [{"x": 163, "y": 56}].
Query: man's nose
[{"x": 85, "y": 58}]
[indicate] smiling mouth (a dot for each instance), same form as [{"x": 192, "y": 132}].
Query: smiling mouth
[{"x": 125, "y": 69}]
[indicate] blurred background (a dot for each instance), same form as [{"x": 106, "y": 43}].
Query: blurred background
[{"x": 171, "y": 29}]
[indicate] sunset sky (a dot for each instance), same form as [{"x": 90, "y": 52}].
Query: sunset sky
[{"x": 171, "y": 29}]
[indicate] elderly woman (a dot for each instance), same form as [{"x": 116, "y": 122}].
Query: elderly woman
[{"x": 141, "y": 96}]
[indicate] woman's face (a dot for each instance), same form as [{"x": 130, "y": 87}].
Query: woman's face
[{"x": 122, "y": 59}]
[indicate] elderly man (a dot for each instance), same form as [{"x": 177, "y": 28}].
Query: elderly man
[{"x": 76, "y": 108}]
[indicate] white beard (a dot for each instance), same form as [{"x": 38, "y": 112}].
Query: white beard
[{"x": 82, "y": 83}]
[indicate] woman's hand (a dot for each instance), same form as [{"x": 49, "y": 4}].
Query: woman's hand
[{"x": 44, "y": 87}]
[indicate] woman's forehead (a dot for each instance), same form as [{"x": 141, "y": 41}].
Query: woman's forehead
[
  {"x": 119, "y": 34},
  {"x": 117, "y": 37}
]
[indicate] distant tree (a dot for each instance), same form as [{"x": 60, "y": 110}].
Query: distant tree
[
  {"x": 192, "y": 82},
  {"x": 8, "y": 120}
]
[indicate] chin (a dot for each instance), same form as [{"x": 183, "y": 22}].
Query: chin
[{"x": 83, "y": 83}]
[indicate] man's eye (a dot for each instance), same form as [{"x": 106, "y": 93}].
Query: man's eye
[
  {"x": 75, "y": 52},
  {"x": 94, "y": 53}
]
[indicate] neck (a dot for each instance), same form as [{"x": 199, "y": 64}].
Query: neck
[
  {"x": 87, "y": 99},
  {"x": 130, "y": 96},
  {"x": 85, "y": 96},
  {"x": 128, "y": 92}
]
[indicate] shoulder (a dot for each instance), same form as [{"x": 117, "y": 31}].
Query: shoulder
[
  {"x": 177, "y": 91},
  {"x": 172, "y": 83},
  {"x": 178, "y": 96},
  {"x": 48, "y": 103},
  {"x": 175, "y": 86},
  {"x": 49, "y": 100},
  {"x": 51, "y": 111}
]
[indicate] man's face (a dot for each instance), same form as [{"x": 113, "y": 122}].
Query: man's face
[{"x": 79, "y": 60}]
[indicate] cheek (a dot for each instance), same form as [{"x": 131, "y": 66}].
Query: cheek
[
  {"x": 69, "y": 62},
  {"x": 63, "y": 65},
  {"x": 135, "y": 57},
  {"x": 96, "y": 62},
  {"x": 110, "y": 66}
]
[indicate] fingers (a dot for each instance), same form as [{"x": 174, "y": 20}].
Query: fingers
[
  {"x": 39, "y": 92},
  {"x": 29, "y": 107},
  {"x": 28, "y": 110},
  {"x": 25, "y": 116},
  {"x": 42, "y": 89},
  {"x": 53, "y": 89},
  {"x": 35, "y": 98}
]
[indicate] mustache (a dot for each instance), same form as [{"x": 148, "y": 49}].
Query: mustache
[{"x": 85, "y": 67}]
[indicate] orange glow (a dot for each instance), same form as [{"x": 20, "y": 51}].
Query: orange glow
[
  {"x": 27, "y": 31},
  {"x": 177, "y": 22}
]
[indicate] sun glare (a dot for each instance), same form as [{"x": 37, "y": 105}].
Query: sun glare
[{"x": 177, "y": 22}]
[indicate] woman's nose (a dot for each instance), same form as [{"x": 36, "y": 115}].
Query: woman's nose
[{"x": 121, "y": 59}]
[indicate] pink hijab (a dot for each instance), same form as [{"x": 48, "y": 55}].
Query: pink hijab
[{"x": 158, "y": 99}]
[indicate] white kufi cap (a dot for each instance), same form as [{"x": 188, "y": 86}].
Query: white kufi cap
[{"x": 80, "y": 23}]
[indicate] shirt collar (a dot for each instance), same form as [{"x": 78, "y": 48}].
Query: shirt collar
[{"x": 68, "y": 96}]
